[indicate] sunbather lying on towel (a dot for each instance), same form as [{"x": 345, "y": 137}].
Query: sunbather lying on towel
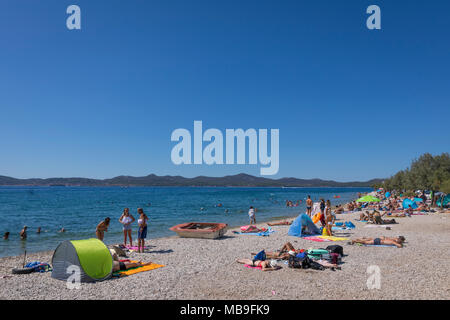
[
  {"x": 121, "y": 266},
  {"x": 266, "y": 265},
  {"x": 252, "y": 229},
  {"x": 365, "y": 216},
  {"x": 283, "y": 253},
  {"x": 378, "y": 220},
  {"x": 397, "y": 214},
  {"x": 339, "y": 209},
  {"x": 281, "y": 223},
  {"x": 398, "y": 241}
]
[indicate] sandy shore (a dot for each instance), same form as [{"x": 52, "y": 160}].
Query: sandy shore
[{"x": 206, "y": 269}]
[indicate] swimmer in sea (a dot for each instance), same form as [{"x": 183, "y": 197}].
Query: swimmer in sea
[{"x": 23, "y": 233}]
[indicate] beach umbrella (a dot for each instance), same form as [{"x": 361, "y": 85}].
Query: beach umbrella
[
  {"x": 368, "y": 199},
  {"x": 387, "y": 194}
]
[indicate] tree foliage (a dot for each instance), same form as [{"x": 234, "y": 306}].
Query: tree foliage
[{"x": 428, "y": 172}]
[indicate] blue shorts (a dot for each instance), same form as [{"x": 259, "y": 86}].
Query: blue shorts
[{"x": 143, "y": 234}]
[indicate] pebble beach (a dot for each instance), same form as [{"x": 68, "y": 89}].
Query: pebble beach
[{"x": 203, "y": 269}]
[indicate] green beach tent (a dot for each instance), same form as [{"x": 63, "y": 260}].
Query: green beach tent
[
  {"x": 368, "y": 199},
  {"x": 91, "y": 256}
]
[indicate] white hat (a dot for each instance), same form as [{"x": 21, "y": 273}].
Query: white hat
[{"x": 292, "y": 253}]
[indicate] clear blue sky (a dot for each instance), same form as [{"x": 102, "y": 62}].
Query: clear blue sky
[{"x": 350, "y": 103}]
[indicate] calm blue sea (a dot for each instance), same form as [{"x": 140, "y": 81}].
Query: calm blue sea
[{"x": 80, "y": 209}]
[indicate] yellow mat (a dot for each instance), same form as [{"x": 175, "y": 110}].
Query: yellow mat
[
  {"x": 332, "y": 238},
  {"x": 139, "y": 269}
]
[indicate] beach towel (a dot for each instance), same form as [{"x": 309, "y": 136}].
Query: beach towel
[
  {"x": 333, "y": 238},
  {"x": 262, "y": 233},
  {"x": 380, "y": 245},
  {"x": 340, "y": 228},
  {"x": 376, "y": 226},
  {"x": 137, "y": 269},
  {"x": 252, "y": 267},
  {"x": 315, "y": 238}
]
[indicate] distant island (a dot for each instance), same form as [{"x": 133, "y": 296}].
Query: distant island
[{"x": 152, "y": 180}]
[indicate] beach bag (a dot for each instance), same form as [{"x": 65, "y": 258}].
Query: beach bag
[
  {"x": 304, "y": 263},
  {"x": 335, "y": 249},
  {"x": 318, "y": 254},
  {"x": 298, "y": 263},
  {"x": 335, "y": 258},
  {"x": 315, "y": 265}
]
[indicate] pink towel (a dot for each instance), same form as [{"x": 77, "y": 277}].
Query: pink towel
[
  {"x": 316, "y": 239},
  {"x": 251, "y": 267}
]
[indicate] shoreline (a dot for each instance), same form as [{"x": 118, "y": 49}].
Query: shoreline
[{"x": 229, "y": 229}]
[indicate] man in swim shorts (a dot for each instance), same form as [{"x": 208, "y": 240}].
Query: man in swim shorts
[
  {"x": 398, "y": 241},
  {"x": 309, "y": 205},
  {"x": 121, "y": 266}
]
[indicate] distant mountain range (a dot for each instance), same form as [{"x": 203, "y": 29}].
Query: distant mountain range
[{"x": 239, "y": 180}]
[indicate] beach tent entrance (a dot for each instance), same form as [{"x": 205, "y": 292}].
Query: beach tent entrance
[
  {"x": 303, "y": 226},
  {"x": 445, "y": 201},
  {"x": 408, "y": 202},
  {"x": 91, "y": 256}
]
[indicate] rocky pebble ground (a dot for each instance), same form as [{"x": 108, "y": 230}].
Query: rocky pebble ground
[{"x": 206, "y": 269}]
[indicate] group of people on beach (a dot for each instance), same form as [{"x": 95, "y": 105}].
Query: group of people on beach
[{"x": 126, "y": 219}]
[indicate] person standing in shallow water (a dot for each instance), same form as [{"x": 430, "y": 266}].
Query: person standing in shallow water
[
  {"x": 102, "y": 227},
  {"x": 142, "y": 231},
  {"x": 23, "y": 233},
  {"x": 252, "y": 214}
]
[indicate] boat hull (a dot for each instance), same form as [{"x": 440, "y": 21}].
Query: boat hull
[{"x": 200, "y": 230}]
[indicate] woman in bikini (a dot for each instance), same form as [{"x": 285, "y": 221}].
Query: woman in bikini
[
  {"x": 283, "y": 253},
  {"x": 398, "y": 241},
  {"x": 329, "y": 219},
  {"x": 126, "y": 219},
  {"x": 102, "y": 227},
  {"x": 266, "y": 265}
]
